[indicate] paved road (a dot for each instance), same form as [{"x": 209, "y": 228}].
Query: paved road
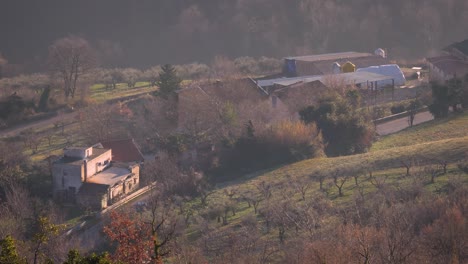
[{"x": 402, "y": 123}]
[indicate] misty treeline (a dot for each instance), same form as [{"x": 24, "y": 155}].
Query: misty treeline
[
  {"x": 144, "y": 34},
  {"x": 28, "y": 94},
  {"x": 205, "y": 29},
  {"x": 277, "y": 28}
]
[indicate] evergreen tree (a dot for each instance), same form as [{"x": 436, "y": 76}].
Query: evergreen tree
[
  {"x": 168, "y": 82},
  {"x": 74, "y": 257},
  {"x": 8, "y": 252},
  {"x": 44, "y": 100}
]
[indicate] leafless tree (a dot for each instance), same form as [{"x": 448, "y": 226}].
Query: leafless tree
[
  {"x": 204, "y": 190},
  {"x": 320, "y": 176},
  {"x": 231, "y": 192},
  {"x": 49, "y": 135},
  {"x": 433, "y": 171},
  {"x": 378, "y": 182},
  {"x": 399, "y": 236},
  {"x": 96, "y": 122},
  {"x": 252, "y": 199},
  {"x": 70, "y": 58},
  {"x": 300, "y": 186},
  {"x": 265, "y": 189},
  {"x": 339, "y": 179},
  {"x": 32, "y": 140},
  {"x": 408, "y": 164},
  {"x": 162, "y": 223}
]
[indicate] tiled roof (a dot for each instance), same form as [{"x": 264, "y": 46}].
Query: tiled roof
[{"x": 124, "y": 150}]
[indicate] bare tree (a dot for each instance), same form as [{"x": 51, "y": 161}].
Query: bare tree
[
  {"x": 433, "y": 171},
  {"x": 339, "y": 181},
  {"x": 300, "y": 186},
  {"x": 252, "y": 199},
  {"x": 32, "y": 140},
  {"x": 378, "y": 182},
  {"x": 408, "y": 164},
  {"x": 162, "y": 225},
  {"x": 96, "y": 122},
  {"x": 264, "y": 189},
  {"x": 70, "y": 58},
  {"x": 320, "y": 177},
  {"x": 204, "y": 190}
]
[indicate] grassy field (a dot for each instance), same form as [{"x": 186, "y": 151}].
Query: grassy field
[
  {"x": 441, "y": 139},
  {"x": 453, "y": 127},
  {"x": 58, "y": 141},
  {"x": 99, "y": 92}
]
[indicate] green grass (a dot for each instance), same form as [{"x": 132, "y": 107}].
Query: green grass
[
  {"x": 447, "y": 139},
  {"x": 100, "y": 93},
  {"x": 439, "y": 129},
  {"x": 57, "y": 143}
]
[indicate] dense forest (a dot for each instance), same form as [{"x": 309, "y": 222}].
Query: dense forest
[{"x": 145, "y": 33}]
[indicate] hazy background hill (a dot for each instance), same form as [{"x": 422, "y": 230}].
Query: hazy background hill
[{"x": 143, "y": 33}]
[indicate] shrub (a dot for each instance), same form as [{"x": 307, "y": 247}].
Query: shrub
[
  {"x": 398, "y": 108},
  {"x": 463, "y": 166},
  {"x": 292, "y": 141},
  {"x": 280, "y": 143},
  {"x": 345, "y": 129}
]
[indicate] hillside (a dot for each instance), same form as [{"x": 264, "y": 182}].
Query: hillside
[{"x": 368, "y": 180}]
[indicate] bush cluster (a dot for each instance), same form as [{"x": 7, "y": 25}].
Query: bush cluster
[
  {"x": 281, "y": 143},
  {"x": 346, "y": 129}
]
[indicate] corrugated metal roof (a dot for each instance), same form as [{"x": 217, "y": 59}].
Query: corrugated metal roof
[
  {"x": 331, "y": 56},
  {"x": 346, "y": 78}
]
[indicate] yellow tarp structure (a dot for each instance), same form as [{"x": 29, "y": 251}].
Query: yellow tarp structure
[{"x": 348, "y": 67}]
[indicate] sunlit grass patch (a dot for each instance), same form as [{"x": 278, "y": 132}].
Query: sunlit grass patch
[{"x": 452, "y": 127}]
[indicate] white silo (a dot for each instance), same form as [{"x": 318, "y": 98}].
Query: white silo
[
  {"x": 336, "y": 68},
  {"x": 380, "y": 52}
]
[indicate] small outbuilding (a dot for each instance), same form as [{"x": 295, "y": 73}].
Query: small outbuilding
[{"x": 391, "y": 70}]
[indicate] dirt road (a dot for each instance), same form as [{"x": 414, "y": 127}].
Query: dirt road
[
  {"x": 16, "y": 130},
  {"x": 67, "y": 118},
  {"x": 402, "y": 123}
]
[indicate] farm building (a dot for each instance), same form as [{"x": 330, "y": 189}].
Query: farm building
[
  {"x": 324, "y": 64},
  {"x": 454, "y": 63},
  {"x": 391, "y": 70},
  {"x": 363, "y": 79},
  {"x": 89, "y": 176}
]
